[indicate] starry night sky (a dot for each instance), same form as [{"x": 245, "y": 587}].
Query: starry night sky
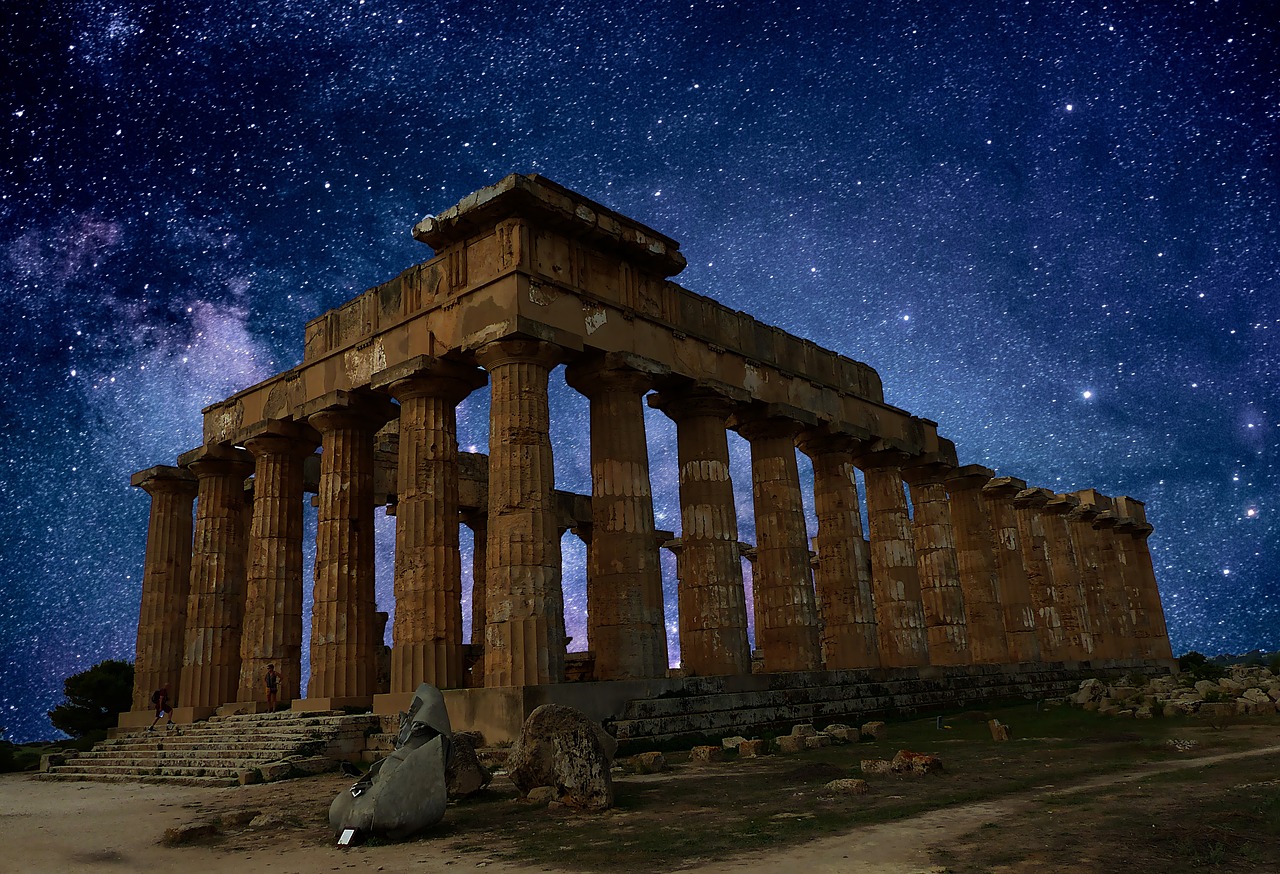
[{"x": 1050, "y": 226}]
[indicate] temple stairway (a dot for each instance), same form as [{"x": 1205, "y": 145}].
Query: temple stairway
[{"x": 227, "y": 750}]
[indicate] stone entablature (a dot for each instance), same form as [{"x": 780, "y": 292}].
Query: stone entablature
[{"x": 970, "y": 570}]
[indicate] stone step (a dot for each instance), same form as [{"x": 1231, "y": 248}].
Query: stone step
[
  {"x": 223, "y": 769},
  {"x": 212, "y": 782}
]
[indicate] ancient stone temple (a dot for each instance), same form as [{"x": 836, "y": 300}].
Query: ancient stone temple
[{"x": 964, "y": 583}]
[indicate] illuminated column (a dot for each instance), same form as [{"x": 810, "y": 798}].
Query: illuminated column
[
  {"x": 1016, "y": 603},
  {"x": 895, "y": 577},
  {"x": 1028, "y": 505},
  {"x": 782, "y": 581},
  {"x": 427, "y": 634},
  {"x": 273, "y": 588},
  {"x": 344, "y": 626},
  {"x": 524, "y": 640},
  {"x": 842, "y": 573},
  {"x": 712, "y": 601},
  {"x": 976, "y": 563},
  {"x": 1115, "y": 597},
  {"x": 1153, "y": 629},
  {"x": 626, "y": 628},
  {"x": 1084, "y": 538},
  {"x": 1068, "y": 585},
  {"x": 166, "y": 582},
  {"x": 215, "y": 605},
  {"x": 940, "y": 593}
]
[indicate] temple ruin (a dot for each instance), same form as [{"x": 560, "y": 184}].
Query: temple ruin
[{"x": 968, "y": 585}]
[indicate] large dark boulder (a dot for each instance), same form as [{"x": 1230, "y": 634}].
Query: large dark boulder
[{"x": 561, "y": 748}]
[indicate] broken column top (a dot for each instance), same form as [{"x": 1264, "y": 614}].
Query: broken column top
[{"x": 539, "y": 198}]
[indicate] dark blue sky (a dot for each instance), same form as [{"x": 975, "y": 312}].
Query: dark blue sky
[{"x": 1051, "y": 227}]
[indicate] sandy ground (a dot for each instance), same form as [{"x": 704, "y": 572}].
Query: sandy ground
[{"x": 98, "y": 827}]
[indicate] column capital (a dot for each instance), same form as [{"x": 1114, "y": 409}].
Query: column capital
[
  {"x": 969, "y": 476},
  {"x": 762, "y": 425},
  {"x": 282, "y": 436},
  {"x": 1034, "y": 498},
  {"x": 347, "y": 409},
  {"x": 429, "y": 376},
  {"x": 520, "y": 350},
  {"x": 1105, "y": 520},
  {"x": 166, "y": 479},
  {"x": 216, "y": 458},
  {"x": 1004, "y": 487},
  {"x": 823, "y": 441},
  {"x": 614, "y": 371},
  {"x": 1083, "y": 513},
  {"x": 699, "y": 399},
  {"x": 1061, "y": 505},
  {"x": 880, "y": 455}
]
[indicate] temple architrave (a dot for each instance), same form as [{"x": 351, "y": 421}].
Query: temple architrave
[{"x": 960, "y": 572}]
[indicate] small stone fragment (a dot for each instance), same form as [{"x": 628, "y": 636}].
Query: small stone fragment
[
  {"x": 804, "y": 729},
  {"x": 732, "y": 743},
  {"x": 875, "y": 730},
  {"x": 848, "y": 786},
  {"x": 649, "y": 763},
  {"x": 750, "y": 749},
  {"x": 907, "y": 762},
  {"x": 877, "y": 766},
  {"x": 999, "y": 731},
  {"x": 817, "y": 741},
  {"x": 706, "y": 755}
]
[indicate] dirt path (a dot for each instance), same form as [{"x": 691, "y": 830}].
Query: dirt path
[{"x": 93, "y": 827}]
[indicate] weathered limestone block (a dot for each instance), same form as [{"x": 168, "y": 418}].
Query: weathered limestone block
[
  {"x": 875, "y": 730},
  {"x": 804, "y": 729},
  {"x": 1205, "y": 688},
  {"x": 907, "y": 762},
  {"x": 818, "y": 741},
  {"x": 999, "y": 731},
  {"x": 706, "y": 755},
  {"x": 560, "y": 747},
  {"x": 1091, "y": 690},
  {"x": 649, "y": 763},
  {"x": 792, "y": 743},
  {"x": 841, "y": 732},
  {"x": 750, "y": 749},
  {"x": 847, "y": 786},
  {"x": 732, "y": 743},
  {"x": 876, "y": 766},
  {"x": 464, "y": 774}
]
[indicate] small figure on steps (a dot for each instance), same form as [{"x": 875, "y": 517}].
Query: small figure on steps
[
  {"x": 160, "y": 698},
  {"x": 272, "y": 679}
]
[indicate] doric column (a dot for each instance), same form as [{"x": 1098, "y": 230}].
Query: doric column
[
  {"x": 273, "y": 588},
  {"x": 166, "y": 582},
  {"x": 782, "y": 582},
  {"x": 1146, "y": 591},
  {"x": 344, "y": 640},
  {"x": 976, "y": 563},
  {"x": 626, "y": 627},
  {"x": 1068, "y": 583},
  {"x": 427, "y": 634},
  {"x": 1084, "y": 540},
  {"x": 1016, "y": 603},
  {"x": 842, "y": 573},
  {"x": 478, "y": 522},
  {"x": 1115, "y": 597},
  {"x": 524, "y": 644},
  {"x": 895, "y": 577},
  {"x": 215, "y": 606},
  {"x": 935, "y": 543},
  {"x": 712, "y": 601},
  {"x": 1028, "y": 505}
]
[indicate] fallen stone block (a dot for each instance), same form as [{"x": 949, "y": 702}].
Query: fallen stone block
[
  {"x": 817, "y": 741},
  {"x": 750, "y": 749},
  {"x": 999, "y": 731},
  {"x": 789, "y": 743},
  {"x": 464, "y": 775},
  {"x": 732, "y": 743},
  {"x": 190, "y": 833},
  {"x": 876, "y": 766},
  {"x": 542, "y": 795},
  {"x": 563, "y": 748},
  {"x": 848, "y": 786},
  {"x": 649, "y": 763},
  {"x": 841, "y": 732},
  {"x": 907, "y": 762},
  {"x": 706, "y": 755},
  {"x": 804, "y": 729},
  {"x": 875, "y": 730}
]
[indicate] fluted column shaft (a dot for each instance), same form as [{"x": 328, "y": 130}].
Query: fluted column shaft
[
  {"x": 976, "y": 564},
  {"x": 625, "y": 621},
  {"x": 782, "y": 582},
  {"x": 215, "y": 606},
  {"x": 895, "y": 577},
  {"x": 1115, "y": 597},
  {"x": 273, "y": 589},
  {"x": 1028, "y": 505},
  {"x": 940, "y": 593},
  {"x": 842, "y": 576},
  {"x": 344, "y": 641},
  {"x": 427, "y": 633},
  {"x": 524, "y": 639},
  {"x": 166, "y": 582},
  {"x": 1084, "y": 540},
  {"x": 1016, "y": 603},
  {"x": 712, "y": 599},
  {"x": 1068, "y": 583},
  {"x": 1150, "y": 592}
]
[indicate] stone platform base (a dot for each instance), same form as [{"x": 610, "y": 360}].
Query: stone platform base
[
  {"x": 640, "y": 711},
  {"x": 316, "y": 705},
  {"x": 247, "y": 707}
]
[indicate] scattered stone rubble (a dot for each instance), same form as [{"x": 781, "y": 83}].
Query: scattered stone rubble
[{"x": 1246, "y": 690}]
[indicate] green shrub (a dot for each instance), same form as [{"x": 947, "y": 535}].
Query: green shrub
[{"x": 94, "y": 697}]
